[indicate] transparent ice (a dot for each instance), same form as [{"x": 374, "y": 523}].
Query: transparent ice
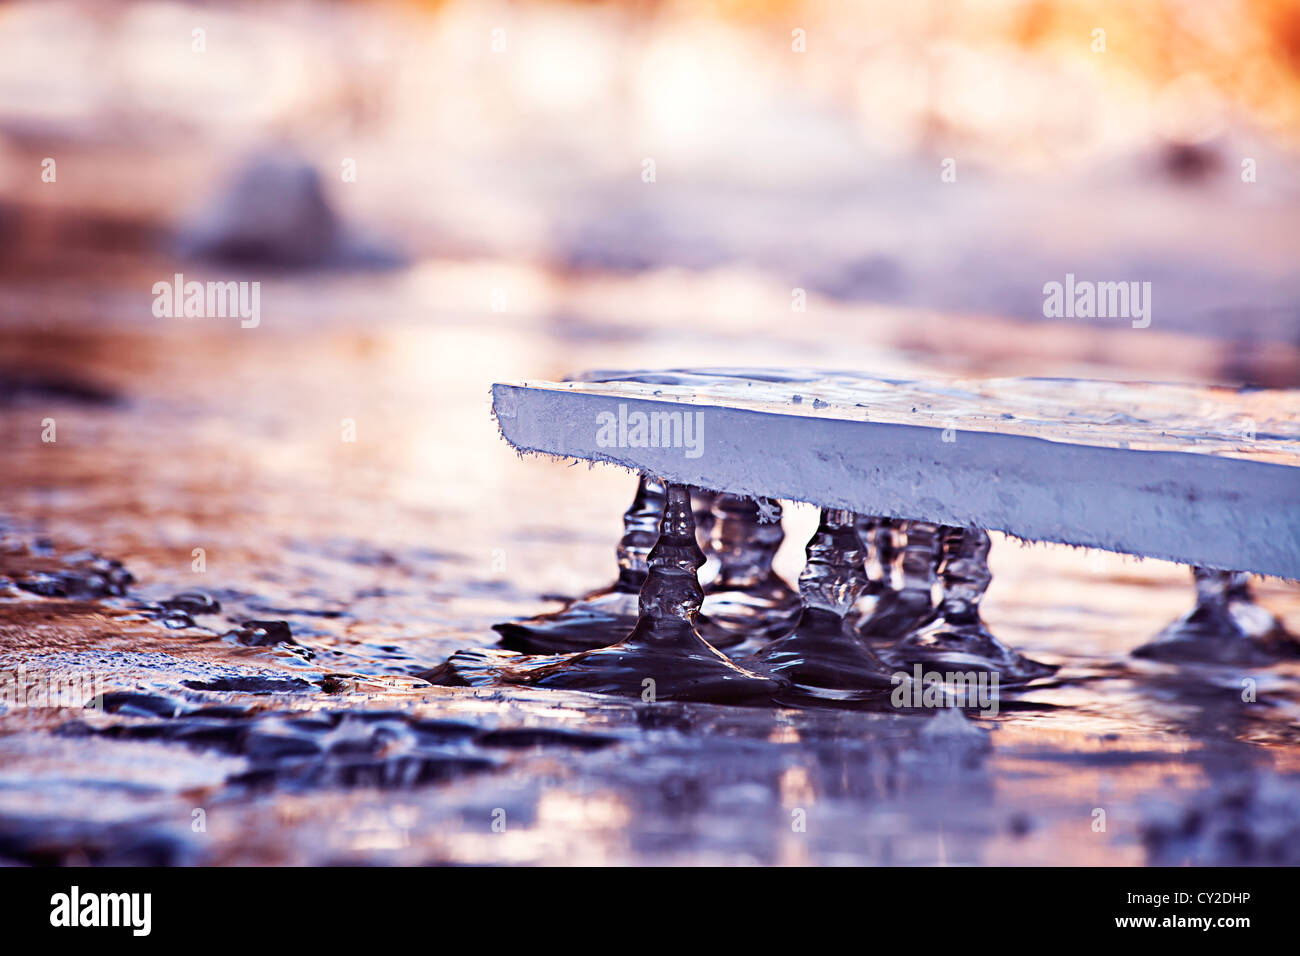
[
  {"x": 822, "y": 656},
  {"x": 955, "y": 638},
  {"x": 1225, "y": 627},
  {"x": 746, "y": 601},
  {"x": 900, "y": 611},
  {"x": 663, "y": 658},
  {"x": 607, "y": 615}
]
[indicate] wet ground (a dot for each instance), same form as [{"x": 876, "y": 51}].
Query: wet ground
[{"x": 287, "y": 726}]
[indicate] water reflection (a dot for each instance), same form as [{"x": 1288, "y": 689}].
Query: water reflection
[{"x": 385, "y": 554}]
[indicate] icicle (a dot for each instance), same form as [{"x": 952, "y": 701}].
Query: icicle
[
  {"x": 702, "y": 502},
  {"x": 955, "y": 638},
  {"x": 1225, "y": 627},
  {"x": 823, "y": 657},
  {"x": 600, "y": 617},
  {"x": 664, "y": 658},
  {"x": 900, "y": 611},
  {"x": 747, "y": 601}
]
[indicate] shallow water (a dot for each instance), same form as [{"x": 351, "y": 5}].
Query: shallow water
[{"x": 385, "y": 554}]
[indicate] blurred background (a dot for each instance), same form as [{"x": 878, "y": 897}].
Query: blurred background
[
  {"x": 437, "y": 196},
  {"x": 493, "y": 155}
]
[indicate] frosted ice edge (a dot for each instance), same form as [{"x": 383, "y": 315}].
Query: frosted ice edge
[{"x": 1176, "y": 506}]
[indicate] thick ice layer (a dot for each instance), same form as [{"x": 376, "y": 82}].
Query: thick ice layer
[{"x": 1205, "y": 476}]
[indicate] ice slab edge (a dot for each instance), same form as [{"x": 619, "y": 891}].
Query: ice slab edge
[{"x": 1197, "y": 509}]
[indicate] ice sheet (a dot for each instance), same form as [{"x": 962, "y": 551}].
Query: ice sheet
[{"x": 1207, "y": 476}]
